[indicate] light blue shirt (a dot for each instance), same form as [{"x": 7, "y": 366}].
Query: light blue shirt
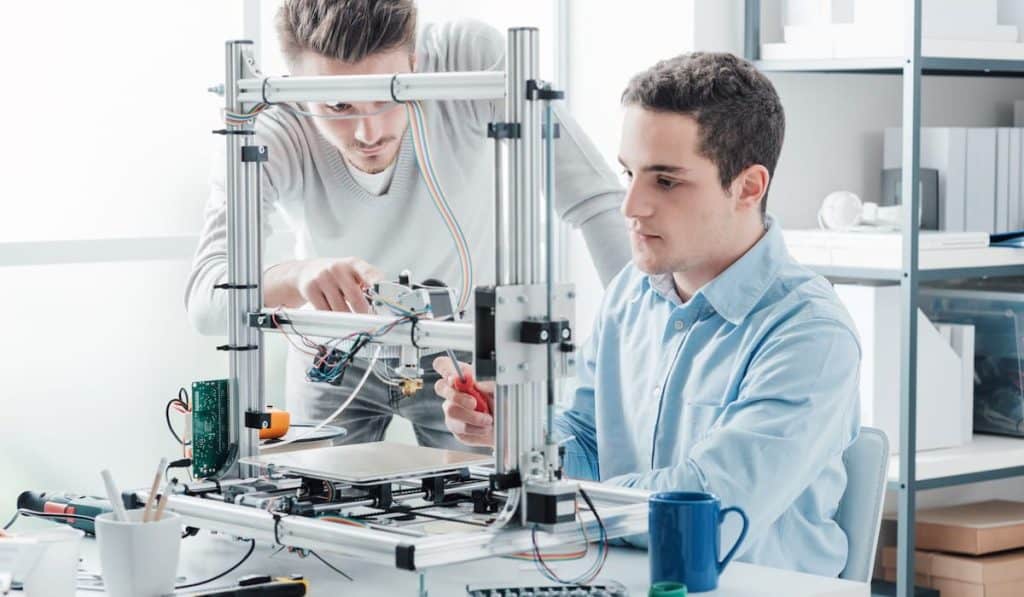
[{"x": 748, "y": 391}]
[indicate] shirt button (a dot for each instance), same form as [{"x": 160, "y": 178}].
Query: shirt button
[
  {"x": 679, "y": 325},
  {"x": 657, "y": 391}
]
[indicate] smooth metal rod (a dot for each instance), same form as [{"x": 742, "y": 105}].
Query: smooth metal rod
[{"x": 469, "y": 85}]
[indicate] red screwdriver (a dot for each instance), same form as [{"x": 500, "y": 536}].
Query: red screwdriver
[{"x": 467, "y": 385}]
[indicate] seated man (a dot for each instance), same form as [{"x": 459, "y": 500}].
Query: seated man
[{"x": 717, "y": 363}]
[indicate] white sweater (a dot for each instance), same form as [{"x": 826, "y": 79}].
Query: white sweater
[{"x": 308, "y": 183}]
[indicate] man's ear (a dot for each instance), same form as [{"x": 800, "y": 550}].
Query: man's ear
[{"x": 750, "y": 186}]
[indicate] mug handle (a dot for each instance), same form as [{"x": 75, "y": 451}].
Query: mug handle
[{"x": 743, "y": 533}]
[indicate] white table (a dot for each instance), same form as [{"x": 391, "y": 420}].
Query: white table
[{"x": 206, "y": 555}]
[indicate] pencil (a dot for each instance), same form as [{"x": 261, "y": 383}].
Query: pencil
[
  {"x": 163, "y": 501},
  {"x": 151, "y": 500}
]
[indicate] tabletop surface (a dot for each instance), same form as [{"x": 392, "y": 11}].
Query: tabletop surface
[{"x": 207, "y": 554}]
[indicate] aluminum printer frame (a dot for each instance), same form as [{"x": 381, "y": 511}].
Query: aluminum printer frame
[{"x": 526, "y": 459}]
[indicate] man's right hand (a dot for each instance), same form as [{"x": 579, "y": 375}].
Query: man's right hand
[
  {"x": 328, "y": 284},
  {"x": 468, "y": 425}
]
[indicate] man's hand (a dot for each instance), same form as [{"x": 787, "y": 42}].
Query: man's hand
[
  {"x": 469, "y": 426},
  {"x": 328, "y": 284}
]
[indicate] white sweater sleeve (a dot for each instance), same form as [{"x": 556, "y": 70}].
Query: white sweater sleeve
[{"x": 207, "y": 306}]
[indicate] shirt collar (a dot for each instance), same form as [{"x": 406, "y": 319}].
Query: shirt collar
[{"x": 735, "y": 292}]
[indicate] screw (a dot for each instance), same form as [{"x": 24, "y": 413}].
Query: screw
[
  {"x": 501, "y": 369},
  {"x": 565, "y": 333},
  {"x": 521, "y": 299},
  {"x": 501, "y": 300},
  {"x": 571, "y": 295},
  {"x": 544, "y": 335},
  {"x": 571, "y": 362},
  {"x": 523, "y": 366}
]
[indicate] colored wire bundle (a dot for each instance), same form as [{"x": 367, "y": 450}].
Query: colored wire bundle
[
  {"x": 239, "y": 119},
  {"x": 422, "y": 149}
]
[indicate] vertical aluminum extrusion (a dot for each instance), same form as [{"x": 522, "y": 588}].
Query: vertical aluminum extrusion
[{"x": 245, "y": 362}]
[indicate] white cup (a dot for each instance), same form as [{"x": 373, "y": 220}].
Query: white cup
[
  {"x": 56, "y": 568},
  {"x": 138, "y": 559}
]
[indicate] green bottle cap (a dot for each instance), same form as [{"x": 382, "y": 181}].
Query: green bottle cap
[{"x": 667, "y": 589}]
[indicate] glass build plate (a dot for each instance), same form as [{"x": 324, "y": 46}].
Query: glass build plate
[{"x": 368, "y": 463}]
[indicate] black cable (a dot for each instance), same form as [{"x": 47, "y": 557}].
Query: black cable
[
  {"x": 167, "y": 417},
  {"x": 328, "y": 564},
  {"x": 37, "y": 514},
  {"x": 10, "y": 523},
  {"x": 593, "y": 510},
  {"x": 252, "y": 547}
]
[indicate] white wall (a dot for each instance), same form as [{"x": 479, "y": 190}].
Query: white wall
[
  {"x": 608, "y": 44},
  {"x": 105, "y": 162}
]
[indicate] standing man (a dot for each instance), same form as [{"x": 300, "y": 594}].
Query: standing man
[{"x": 345, "y": 179}]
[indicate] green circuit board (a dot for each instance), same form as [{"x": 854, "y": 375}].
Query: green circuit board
[{"x": 210, "y": 436}]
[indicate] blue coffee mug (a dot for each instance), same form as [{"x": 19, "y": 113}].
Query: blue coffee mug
[{"x": 685, "y": 535}]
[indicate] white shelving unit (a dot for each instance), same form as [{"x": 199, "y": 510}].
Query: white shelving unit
[{"x": 987, "y": 457}]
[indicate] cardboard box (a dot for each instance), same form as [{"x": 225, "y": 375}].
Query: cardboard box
[
  {"x": 922, "y": 567},
  {"x": 920, "y": 580},
  {"x": 996, "y": 575},
  {"x": 975, "y": 529}
]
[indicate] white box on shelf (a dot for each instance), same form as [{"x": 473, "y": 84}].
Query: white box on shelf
[
  {"x": 990, "y": 33},
  {"x": 980, "y": 191},
  {"x": 948, "y": 18},
  {"x": 878, "y": 12},
  {"x": 943, "y": 149},
  {"x": 962, "y": 341},
  {"x": 1003, "y": 179},
  {"x": 810, "y": 12},
  {"x": 860, "y": 40},
  {"x": 876, "y": 313},
  {"x": 884, "y": 250},
  {"x": 1015, "y": 180},
  {"x": 796, "y": 51},
  {"x": 982, "y": 50},
  {"x": 1011, "y": 12}
]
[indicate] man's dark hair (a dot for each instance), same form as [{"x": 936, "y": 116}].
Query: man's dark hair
[
  {"x": 348, "y": 30},
  {"x": 736, "y": 107}
]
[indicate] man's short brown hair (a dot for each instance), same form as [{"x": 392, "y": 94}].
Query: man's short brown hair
[
  {"x": 736, "y": 107},
  {"x": 348, "y": 30}
]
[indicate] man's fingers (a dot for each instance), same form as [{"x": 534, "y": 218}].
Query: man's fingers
[
  {"x": 443, "y": 365},
  {"x": 319, "y": 301},
  {"x": 367, "y": 274},
  {"x": 476, "y": 430},
  {"x": 463, "y": 411},
  {"x": 336, "y": 299},
  {"x": 443, "y": 388},
  {"x": 475, "y": 440},
  {"x": 346, "y": 279}
]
